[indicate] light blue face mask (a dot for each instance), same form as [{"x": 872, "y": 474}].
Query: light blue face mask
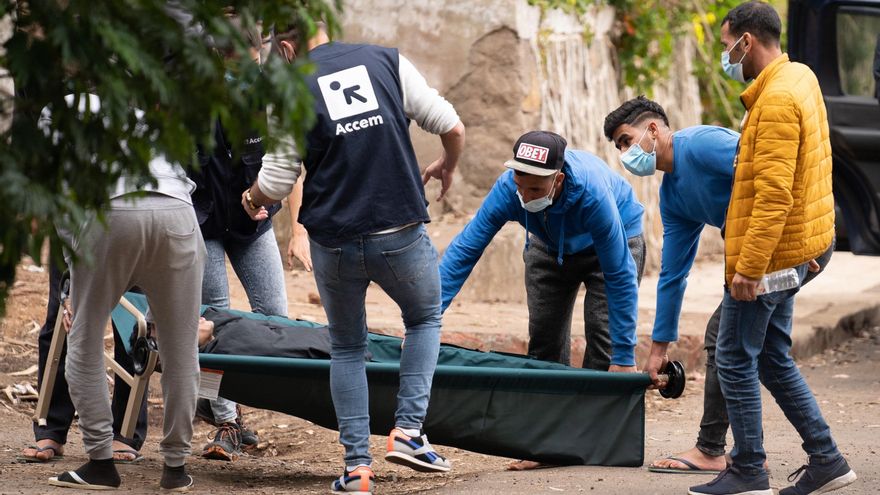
[
  {"x": 540, "y": 204},
  {"x": 638, "y": 161},
  {"x": 733, "y": 71}
]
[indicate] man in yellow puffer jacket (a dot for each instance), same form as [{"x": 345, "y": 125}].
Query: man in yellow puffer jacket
[{"x": 781, "y": 215}]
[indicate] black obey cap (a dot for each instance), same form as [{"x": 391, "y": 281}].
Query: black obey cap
[{"x": 538, "y": 153}]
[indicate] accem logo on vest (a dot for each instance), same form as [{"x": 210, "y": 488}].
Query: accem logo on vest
[{"x": 348, "y": 93}]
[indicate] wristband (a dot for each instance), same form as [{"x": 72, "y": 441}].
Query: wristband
[{"x": 250, "y": 200}]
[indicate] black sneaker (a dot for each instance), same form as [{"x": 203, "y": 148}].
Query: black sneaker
[
  {"x": 820, "y": 478},
  {"x": 732, "y": 482},
  {"x": 175, "y": 479},
  {"x": 226, "y": 445},
  {"x": 249, "y": 438}
]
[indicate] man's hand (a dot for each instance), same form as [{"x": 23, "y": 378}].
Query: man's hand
[
  {"x": 443, "y": 167},
  {"x": 440, "y": 170},
  {"x": 657, "y": 360},
  {"x": 814, "y": 266},
  {"x": 67, "y": 316},
  {"x": 744, "y": 288},
  {"x": 616, "y": 368},
  {"x": 260, "y": 213},
  {"x": 298, "y": 248}
]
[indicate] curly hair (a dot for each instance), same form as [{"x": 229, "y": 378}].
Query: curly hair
[{"x": 634, "y": 112}]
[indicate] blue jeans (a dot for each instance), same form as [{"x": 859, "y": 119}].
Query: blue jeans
[
  {"x": 259, "y": 269},
  {"x": 754, "y": 341},
  {"x": 404, "y": 264},
  {"x": 257, "y": 265}
]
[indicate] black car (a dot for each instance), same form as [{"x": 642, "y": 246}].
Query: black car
[{"x": 840, "y": 41}]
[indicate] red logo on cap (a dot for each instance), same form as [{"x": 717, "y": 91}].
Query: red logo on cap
[{"x": 532, "y": 152}]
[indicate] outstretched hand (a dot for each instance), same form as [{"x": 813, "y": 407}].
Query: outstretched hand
[
  {"x": 441, "y": 171},
  {"x": 260, "y": 213}
]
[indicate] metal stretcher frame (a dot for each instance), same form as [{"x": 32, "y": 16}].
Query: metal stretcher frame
[{"x": 138, "y": 383}]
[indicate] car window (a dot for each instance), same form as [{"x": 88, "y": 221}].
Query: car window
[{"x": 858, "y": 39}]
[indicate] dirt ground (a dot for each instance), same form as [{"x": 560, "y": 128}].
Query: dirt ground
[{"x": 299, "y": 457}]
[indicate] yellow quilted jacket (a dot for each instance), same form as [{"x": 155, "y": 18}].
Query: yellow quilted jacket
[{"x": 781, "y": 211}]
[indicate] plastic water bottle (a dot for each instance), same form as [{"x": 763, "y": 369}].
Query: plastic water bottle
[{"x": 781, "y": 280}]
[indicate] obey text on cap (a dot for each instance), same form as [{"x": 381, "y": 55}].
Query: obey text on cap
[{"x": 532, "y": 152}]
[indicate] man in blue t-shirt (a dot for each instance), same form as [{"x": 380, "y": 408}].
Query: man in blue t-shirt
[
  {"x": 698, "y": 175},
  {"x": 583, "y": 226}
]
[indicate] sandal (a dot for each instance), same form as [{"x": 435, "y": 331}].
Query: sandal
[{"x": 28, "y": 459}]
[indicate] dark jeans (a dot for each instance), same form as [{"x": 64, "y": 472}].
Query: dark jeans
[
  {"x": 713, "y": 427},
  {"x": 61, "y": 409},
  {"x": 551, "y": 290}
]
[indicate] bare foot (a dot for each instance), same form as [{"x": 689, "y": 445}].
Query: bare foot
[
  {"x": 48, "y": 450},
  {"x": 123, "y": 452},
  {"x": 696, "y": 457},
  {"x": 526, "y": 465}
]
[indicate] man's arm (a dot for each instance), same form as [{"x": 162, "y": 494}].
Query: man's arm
[
  {"x": 777, "y": 142},
  {"x": 681, "y": 239},
  {"x": 443, "y": 167},
  {"x": 298, "y": 247},
  {"x": 466, "y": 249},
  {"x": 280, "y": 170},
  {"x": 621, "y": 279},
  {"x": 434, "y": 114}
]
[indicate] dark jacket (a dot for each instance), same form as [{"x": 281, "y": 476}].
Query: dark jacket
[{"x": 225, "y": 172}]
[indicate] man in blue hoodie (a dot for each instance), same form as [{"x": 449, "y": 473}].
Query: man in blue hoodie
[
  {"x": 697, "y": 166},
  {"x": 583, "y": 226}
]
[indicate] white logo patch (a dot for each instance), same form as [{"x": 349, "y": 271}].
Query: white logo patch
[
  {"x": 532, "y": 152},
  {"x": 348, "y": 92}
]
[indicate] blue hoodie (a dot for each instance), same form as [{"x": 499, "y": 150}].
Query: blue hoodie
[
  {"x": 596, "y": 209},
  {"x": 695, "y": 194}
]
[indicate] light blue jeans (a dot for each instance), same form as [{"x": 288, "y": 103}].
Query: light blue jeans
[
  {"x": 754, "y": 340},
  {"x": 258, "y": 266},
  {"x": 405, "y": 265}
]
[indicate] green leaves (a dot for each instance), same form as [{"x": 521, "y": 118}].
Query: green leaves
[{"x": 157, "y": 57}]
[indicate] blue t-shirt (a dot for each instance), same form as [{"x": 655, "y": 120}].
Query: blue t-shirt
[{"x": 695, "y": 194}]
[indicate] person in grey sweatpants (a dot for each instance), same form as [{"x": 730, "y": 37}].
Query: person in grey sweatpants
[{"x": 152, "y": 240}]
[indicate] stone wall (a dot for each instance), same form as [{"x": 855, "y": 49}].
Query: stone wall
[{"x": 509, "y": 67}]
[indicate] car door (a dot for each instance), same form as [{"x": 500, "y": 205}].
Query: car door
[{"x": 840, "y": 41}]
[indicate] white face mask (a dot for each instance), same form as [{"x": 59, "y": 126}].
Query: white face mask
[
  {"x": 540, "y": 204},
  {"x": 734, "y": 71}
]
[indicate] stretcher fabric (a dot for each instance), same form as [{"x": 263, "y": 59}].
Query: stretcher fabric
[{"x": 493, "y": 403}]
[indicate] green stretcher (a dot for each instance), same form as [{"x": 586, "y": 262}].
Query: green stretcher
[{"x": 488, "y": 402}]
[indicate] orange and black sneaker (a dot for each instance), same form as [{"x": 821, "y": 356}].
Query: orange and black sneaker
[
  {"x": 226, "y": 445},
  {"x": 359, "y": 481},
  {"x": 415, "y": 453}
]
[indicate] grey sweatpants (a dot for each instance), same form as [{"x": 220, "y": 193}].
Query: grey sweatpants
[
  {"x": 156, "y": 245},
  {"x": 551, "y": 290}
]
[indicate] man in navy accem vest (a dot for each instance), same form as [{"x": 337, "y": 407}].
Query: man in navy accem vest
[{"x": 364, "y": 209}]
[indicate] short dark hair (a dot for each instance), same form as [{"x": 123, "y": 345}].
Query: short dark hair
[
  {"x": 757, "y": 18},
  {"x": 634, "y": 112}
]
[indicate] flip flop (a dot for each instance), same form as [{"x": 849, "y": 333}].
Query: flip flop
[
  {"x": 137, "y": 456},
  {"x": 27, "y": 459},
  {"x": 70, "y": 479},
  {"x": 690, "y": 469}
]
